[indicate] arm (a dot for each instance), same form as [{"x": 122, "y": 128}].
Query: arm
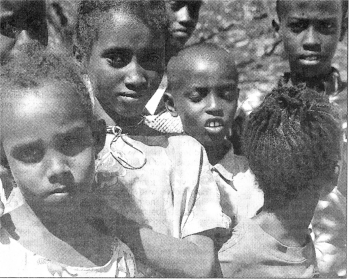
[
  {"x": 192, "y": 256},
  {"x": 329, "y": 229}
]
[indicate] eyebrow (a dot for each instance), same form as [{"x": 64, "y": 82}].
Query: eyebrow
[{"x": 69, "y": 132}]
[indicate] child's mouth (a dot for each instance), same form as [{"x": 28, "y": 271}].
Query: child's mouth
[
  {"x": 214, "y": 125},
  {"x": 134, "y": 96},
  {"x": 310, "y": 59}
]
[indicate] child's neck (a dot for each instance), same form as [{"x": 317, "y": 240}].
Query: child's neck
[
  {"x": 289, "y": 225},
  {"x": 315, "y": 82},
  {"x": 217, "y": 152}
]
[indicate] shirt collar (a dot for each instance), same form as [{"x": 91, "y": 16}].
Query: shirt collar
[
  {"x": 331, "y": 85},
  {"x": 222, "y": 166}
]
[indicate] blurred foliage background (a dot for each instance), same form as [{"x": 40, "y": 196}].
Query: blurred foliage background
[{"x": 241, "y": 26}]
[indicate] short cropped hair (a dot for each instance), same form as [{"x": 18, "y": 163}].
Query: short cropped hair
[
  {"x": 345, "y": 7},
  {"x": 35, "y": 67},
  {"x": 291, "y": 138},
  {"x": 90, "y": 12}
]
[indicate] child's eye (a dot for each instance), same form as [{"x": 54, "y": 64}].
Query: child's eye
[
  {"x": 151, "y": 60},
  {"x": 228, "y": 94},
  {"x": 326, "y": 27},
  {"x": 9, "y": 29},
  {"x": 176, "y": 5},
  {"x": 198, "y": 94},
  {"x": 29, "y": 155},
  {"x": 118, "y": 60},
  {"x": 73, "y": 145},
  {"x": 298, "y": 26}
]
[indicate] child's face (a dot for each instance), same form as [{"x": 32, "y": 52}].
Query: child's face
[
  {"x": 126, "y": 64},
  {"x": 183, "y": 17},
  {"x": 21, "y": 22},
  {"x": 310, "y": 32},
  {"x": 49, "y": 146},
  {"x": 206, "y": 99}
]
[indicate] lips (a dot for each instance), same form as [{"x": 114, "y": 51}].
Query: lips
[
  {"x": 64, "y": 190},
  {"x": 214, "y": 126},
  {"x": 310, "y": 58},
  {"x": 130, "y": 95}
]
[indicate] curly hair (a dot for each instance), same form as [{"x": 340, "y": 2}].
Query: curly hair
[
  {"x": 291, "y": 138},
  {"x": 91, "y": 12},
  {"x": 34, "y": 67}
]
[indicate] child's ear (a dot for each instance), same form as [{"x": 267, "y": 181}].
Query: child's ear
[
  {"x": 169, "y": 104},
  {"x": 276, "y": 27},
  {"x": 99, "y": 134}
]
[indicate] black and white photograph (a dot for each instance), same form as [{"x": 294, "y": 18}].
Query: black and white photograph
[{"x": 173, "y": 138}]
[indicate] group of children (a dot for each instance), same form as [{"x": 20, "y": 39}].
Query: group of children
[{"x": 90, "y": 190}]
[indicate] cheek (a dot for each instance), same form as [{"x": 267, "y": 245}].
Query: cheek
[
  {"x": 6, "y": 45},
  {"x": 83, "y": 166},
  {"x": 154, "y": 78},
  {"x": 28, "y": 178},
  {"x": 192, "y": 120}
]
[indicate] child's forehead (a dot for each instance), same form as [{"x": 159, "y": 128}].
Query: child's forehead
[
  {"x": 307, "y": 8},
  {"x": 49, "y": 93},
  {"x": 204, "y": 66}
]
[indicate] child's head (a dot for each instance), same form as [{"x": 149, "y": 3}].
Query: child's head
[
  {"x": 122, "y": 46},
  {"x": 292, "y": 142},
  {"x": 22, "y": 22},
  {"x": 310, "y": 31},
  {"x": 183, "y": 16},
  {"x": 203, "y": 91},
  {"x": 49, "y": 135}
]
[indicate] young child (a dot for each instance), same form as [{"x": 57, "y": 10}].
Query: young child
[
  {"x": 161, "y": 181},
  {"x": 310, "y": 31},
  {"x": 292, "y": 145},
  {"x": 49, "y": 139},
  {"x": 183, "y": 18},
  {"x": 203, "y": 91},
  {"x": 22, "y": 22}
]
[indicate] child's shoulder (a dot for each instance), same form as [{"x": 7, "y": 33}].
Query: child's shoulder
[
  {"x": 183, "y": 141},
  {"x": 233, "y": 163}
]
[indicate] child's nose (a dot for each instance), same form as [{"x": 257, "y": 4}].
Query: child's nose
[
  {"x": 57, "y": 166},
  {"x": 135, "y": 78},
  {"x": 311, "y": 40},
  {"x": 184, "y": 15},
  {"x": 214, "y": 105}
]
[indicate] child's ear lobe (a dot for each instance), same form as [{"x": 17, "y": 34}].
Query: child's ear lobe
[
  {"x": 275, "y": 26},
  {"x": 99, "y": 135},
  {"x": 169, "y": 104}
]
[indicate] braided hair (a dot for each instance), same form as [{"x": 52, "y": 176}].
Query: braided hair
[{"x": 293, "y": 137}]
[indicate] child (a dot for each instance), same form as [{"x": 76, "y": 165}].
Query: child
[
  {"x": 292, "y": 145},
  {"x": 203, "y": 91},
  {"x": 161, "y": 181},
  {"x": 22, "y": 22},
  {"x": 310, "y": 31},
  {"x": 49, "y": 139},
  {"x": 183, "y": 18}
]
